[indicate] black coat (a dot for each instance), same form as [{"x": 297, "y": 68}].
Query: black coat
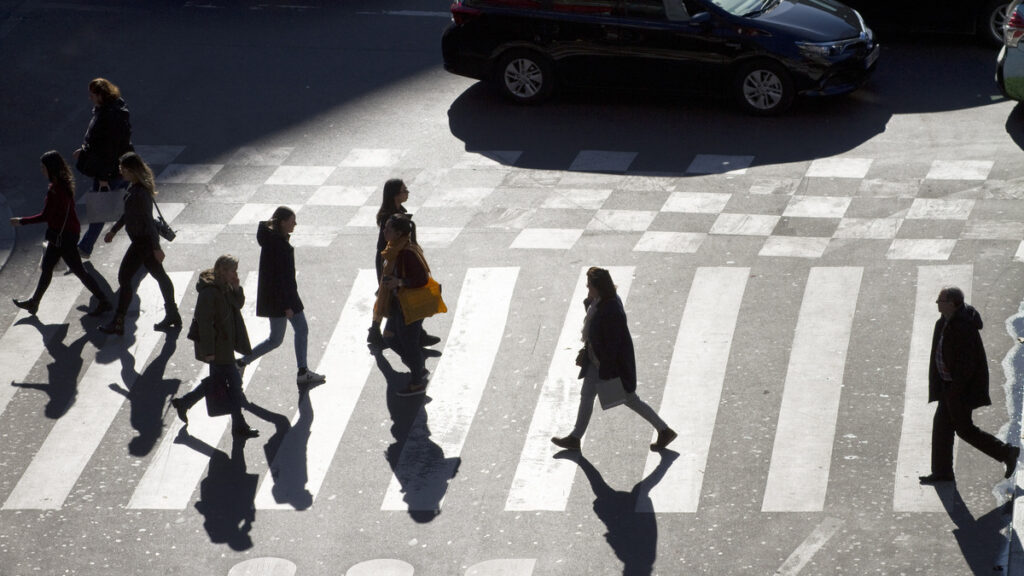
[
  {"x": 963, "y": 353},
  {"x": 108, "y": 137},
  {"x": 137, "y": 218},
  {"x": 612, "y": 344},
  {"x": 277, "y": 289}
]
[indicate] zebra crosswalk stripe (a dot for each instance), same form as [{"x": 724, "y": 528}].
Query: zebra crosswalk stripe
[
  {"x": 914, "y": 456},
  {"x": 176, "y": 467},
  {"x": 72, "y": 441},
  {"x": 802, "y": 454},
  {"x": 542, "y": 482},
  {"x": 420, "y": 479},
  {"x": 19, "y": 346},
  {"x": 301, "y": 463},
  {"x": 694, "y": 386}
]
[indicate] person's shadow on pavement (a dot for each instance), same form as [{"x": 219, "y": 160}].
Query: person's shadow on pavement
[
  {"x": 417, "y": 462},
  {"x": 227, "y": 494},
  {"x": 980, "y": 539},
  {"x": 148, "y": 397},
  {"x": 632, "y": 535}
]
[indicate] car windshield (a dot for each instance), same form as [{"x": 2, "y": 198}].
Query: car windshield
[{"x": 745, "y": 7}]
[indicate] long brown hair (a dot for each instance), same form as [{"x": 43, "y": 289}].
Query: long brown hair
[
  {"x": 281, "y": 214},
  {"x": 105, "y": 89},
  {"x": 137, "y": 171},
  {"x": 57, "y": 171}
]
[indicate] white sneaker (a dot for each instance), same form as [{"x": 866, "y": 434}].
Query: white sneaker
[{"x": 310, "y": 377}]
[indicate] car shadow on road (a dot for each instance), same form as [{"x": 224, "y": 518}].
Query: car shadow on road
[
  {"x": 666, "y": 132},
  {"x": 632, "y": 535}
]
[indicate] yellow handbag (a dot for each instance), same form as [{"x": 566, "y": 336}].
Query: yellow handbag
[{"x": 422, "y": 302}]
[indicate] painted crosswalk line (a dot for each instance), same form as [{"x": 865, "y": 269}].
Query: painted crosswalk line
[
  {"x": 72, "y": 441},
  {"x": 542, "y": 482},
  {"x": 421, "y": 476}
]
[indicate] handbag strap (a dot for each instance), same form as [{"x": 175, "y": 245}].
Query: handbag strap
[{"x": 159, "y": 213}]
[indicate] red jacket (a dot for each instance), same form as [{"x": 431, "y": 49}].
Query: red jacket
[{"x": 58, "y": 211}]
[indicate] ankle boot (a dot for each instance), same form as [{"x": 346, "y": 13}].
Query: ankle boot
[
  {"x": 171, "y": 318},
  {"x": 116, "y": 325},
  {"x": 102, "y": 307},
  {"x": 31, "y": 305}
]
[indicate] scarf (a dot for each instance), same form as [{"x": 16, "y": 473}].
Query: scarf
[{"x": 381, "y": 307}]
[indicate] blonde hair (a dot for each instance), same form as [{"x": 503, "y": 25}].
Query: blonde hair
[{"x": 138, "y": 172}]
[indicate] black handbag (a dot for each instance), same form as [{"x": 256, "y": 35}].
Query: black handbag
[
  {"x": 162, "y": 227},
  {"x": 218, "y": 396},
  {"x": 88, "y": 164}
]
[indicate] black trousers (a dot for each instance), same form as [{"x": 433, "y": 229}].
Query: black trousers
[
  {"x": 953, "y": 417},
  {"x": 137, "y": 256},
  {"x": 64, "y": 248}
]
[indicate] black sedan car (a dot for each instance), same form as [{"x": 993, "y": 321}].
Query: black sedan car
[{"x": 761, "y": 52}]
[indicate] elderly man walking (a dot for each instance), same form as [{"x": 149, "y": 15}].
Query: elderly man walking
[{"x": 958, "y": 380}]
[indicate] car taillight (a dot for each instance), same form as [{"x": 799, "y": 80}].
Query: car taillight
[
  {"x": 1014, "y": 29},
  {"x": 462, "y": 13}
]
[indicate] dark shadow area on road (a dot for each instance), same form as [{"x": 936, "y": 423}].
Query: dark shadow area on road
[
  {"x": 287, "y": 453},
  {"x": 981, "y": 539},
  {"x": 61, "y": 385},
  {"x": 667, "y": 132},
  {"x": 227, "y": 494},
  {"x": 632, "y": 535},
  {"x": 148, "y": 397},
  {"x": 417, "y": 462},
  {"x": 1015, "y": 126}
]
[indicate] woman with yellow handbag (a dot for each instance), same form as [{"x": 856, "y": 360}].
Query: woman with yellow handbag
[{"x": 406, "y": 296}]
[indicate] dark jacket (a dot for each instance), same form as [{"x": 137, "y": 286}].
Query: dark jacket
[
  {"x": 219, "y": 320},
  {"x": 612, "y": 344},
  {"x": 963, "y": 353},
  {"x": 382, "y": 243},
  {"x": 108, "y": 136},
  {"x": 277, "y": 289},
  {"x": 137, "y": 218},
  {"x": 58, "y": 211}
]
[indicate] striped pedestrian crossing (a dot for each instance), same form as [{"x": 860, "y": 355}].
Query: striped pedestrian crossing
[{"x": 795, "y": 478}]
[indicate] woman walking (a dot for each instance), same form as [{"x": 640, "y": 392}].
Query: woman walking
[
  {"x": 108, "y": 137},
  {"x": 220, "y": 333},
  {"x": 404, "y": 267},
  {"x": 395, "y": 195},
  {"x": 277, "y": 294},
  {"x": 608, "y": 354},
  {"x": 62, "y": 230},
  {"x": 144, "y": 249}
]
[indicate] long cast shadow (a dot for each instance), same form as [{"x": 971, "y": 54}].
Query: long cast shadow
[
  {"x": 980, "y": 539},
  {"x": 148, "y": 397},
  {"x": 227, "y": 494},
  {"x": 287, "y": 453},
  {"x": 632, "y": 535},
  {"x": 417, "y": 462},
  {"x": 61, "y": 385}
]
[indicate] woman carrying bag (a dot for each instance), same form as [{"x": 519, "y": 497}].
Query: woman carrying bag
[
  {"x": 405, "y": 274},
  {"x": 608, "y": 359},
  {"x": 144, "y": 250},
  {"x": 61, "y": 234},
  {"x": 220, "y": 332}
]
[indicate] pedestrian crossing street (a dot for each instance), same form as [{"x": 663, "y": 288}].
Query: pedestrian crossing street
[
  {"x": 807, "y": 209},
  {"x": 798, "y": 475}
]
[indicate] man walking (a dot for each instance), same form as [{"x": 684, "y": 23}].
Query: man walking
[{"x": 958, "y": 380}]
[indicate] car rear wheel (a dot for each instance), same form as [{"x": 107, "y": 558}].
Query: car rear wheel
[
  {"x": 524, "y": 76},
  {"x": 764, "y": 88},
  {"x": 992, "y": 20}
]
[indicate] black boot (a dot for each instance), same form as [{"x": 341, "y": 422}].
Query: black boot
[
  {"x": 31, "y": 305},
  {"x": 171, "y": 318},
  {"x": 116, "y": 325}
]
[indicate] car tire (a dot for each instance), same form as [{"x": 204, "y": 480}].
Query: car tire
[
  {"x": 991, "y": 21},
  {"x": 763, "y": 88},
  {"x": 524, "y": 76}
]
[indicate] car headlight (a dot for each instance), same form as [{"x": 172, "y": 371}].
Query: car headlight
[{"x": 821, "y": 49}]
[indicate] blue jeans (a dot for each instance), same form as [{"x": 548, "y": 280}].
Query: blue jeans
[
  {"x": 88, "y": 240},
  {"x": 277, "y": 329},
  {"x": 406, "y": 340},
  {"x": 589, "y": 392}
]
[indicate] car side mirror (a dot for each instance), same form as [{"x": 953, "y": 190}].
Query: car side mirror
[{"x": 700, "y": 19}]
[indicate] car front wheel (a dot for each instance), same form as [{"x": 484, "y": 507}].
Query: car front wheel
[
  {"x": 993, "y": 19},
  {"x": 764, "y": 88},
  {"x": 524, "y": 76}
]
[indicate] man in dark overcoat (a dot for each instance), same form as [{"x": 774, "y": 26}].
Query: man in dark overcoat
[{"x": 958, "y": 381}]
